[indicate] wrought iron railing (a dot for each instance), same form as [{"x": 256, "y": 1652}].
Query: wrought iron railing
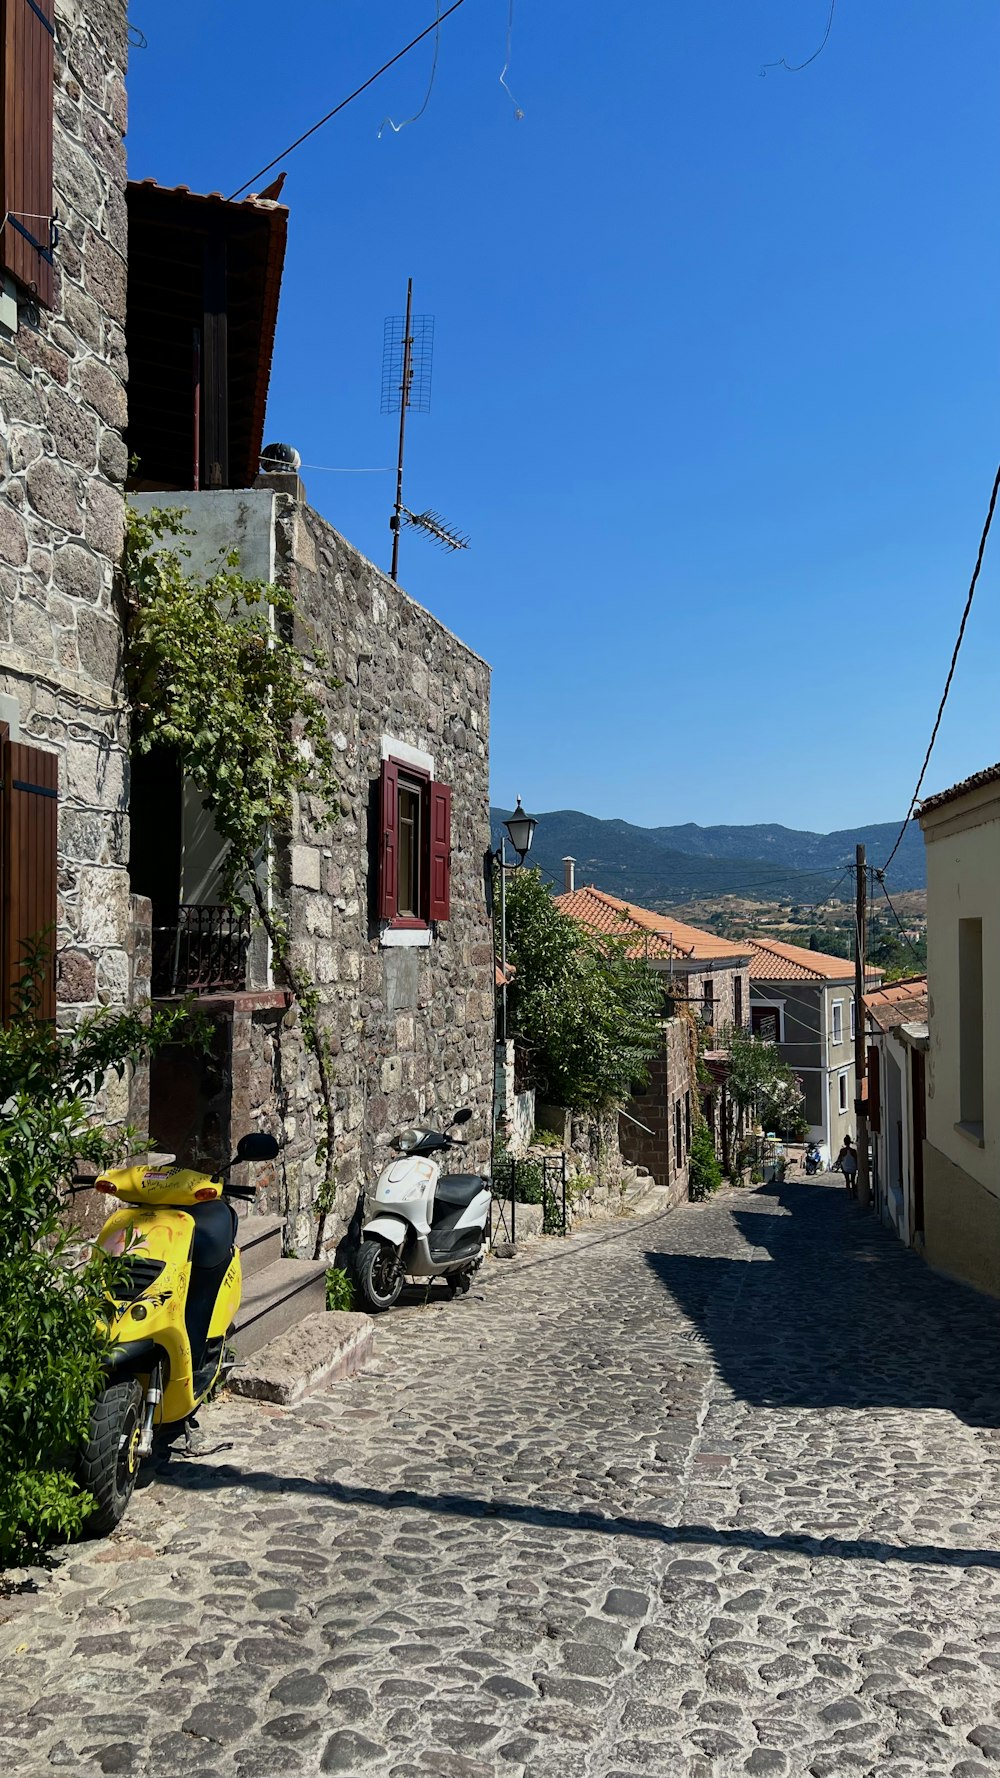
[{"x": 204, "y": 951}]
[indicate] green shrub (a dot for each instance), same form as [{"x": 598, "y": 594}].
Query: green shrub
[
  {"x": 704, "y": 1172},
  {"x": 545, "y": 1139},
  {"x": 53, "y": 1294},
  {"x": 520, "y": 1179},
  {"x": 341, "y": 1292}
]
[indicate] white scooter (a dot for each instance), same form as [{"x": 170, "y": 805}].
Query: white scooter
[{"x": 418, "y": 1225}]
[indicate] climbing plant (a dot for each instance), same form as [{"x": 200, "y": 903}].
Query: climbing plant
[{"x": 220, "y": 670}]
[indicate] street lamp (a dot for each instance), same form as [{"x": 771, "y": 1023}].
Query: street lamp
[{"x": 520, "y": 831}]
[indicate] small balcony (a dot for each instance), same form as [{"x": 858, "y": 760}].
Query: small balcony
[{"x": 203, "y": 951}]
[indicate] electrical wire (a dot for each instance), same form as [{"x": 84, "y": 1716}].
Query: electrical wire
[
  {"x": 951, "y": 669},
  {"x": 518, "y": 113},
  {"x": 396, "y": 127},
  {"x": 311, "y": 131},
  {"x": 904, "y": 935},
  {"x": 797, "y": 67}
]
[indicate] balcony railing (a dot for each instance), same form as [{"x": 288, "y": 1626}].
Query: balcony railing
[{"x": 203, "y": 952}]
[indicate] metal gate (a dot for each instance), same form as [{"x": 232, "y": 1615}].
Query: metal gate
[{"x": 529, "y": 1182}]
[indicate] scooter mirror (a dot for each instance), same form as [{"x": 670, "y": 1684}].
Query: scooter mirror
[
  {"x": 461, "y": 1117},
  {"x": 257, "y": 1146}
]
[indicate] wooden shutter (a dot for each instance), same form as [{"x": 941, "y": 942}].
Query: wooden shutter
[
  {"x": 28, "y": 35},
  {"x": 388, "y": 858},
  {"x": 440, "y": 860},
  {"x": 29, "y": 782},
  {"x": 874, "y": 1089}
]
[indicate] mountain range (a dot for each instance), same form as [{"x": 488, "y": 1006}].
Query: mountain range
[{"x": 663, "y": 865}]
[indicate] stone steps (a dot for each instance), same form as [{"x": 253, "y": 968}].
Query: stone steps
[
  {"x": 278, "y": 1293},
  {"x": 260, "y": 1242}
]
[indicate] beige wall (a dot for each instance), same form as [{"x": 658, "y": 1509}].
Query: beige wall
[
  {"x": 963, "y": 871},
  {"x": 961, "y": 1223}
]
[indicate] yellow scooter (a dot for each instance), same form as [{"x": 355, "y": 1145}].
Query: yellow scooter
[{"x": 172, "y": 1313}]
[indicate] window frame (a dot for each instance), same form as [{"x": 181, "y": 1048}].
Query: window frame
[
  {"x": 843, "y": 1090},
  {"x": 836, "y": 1006},
  {"x": 410, "y": 778},
  {"x": 405, "y": 768},
  {"x": 765, "y": 1007}
]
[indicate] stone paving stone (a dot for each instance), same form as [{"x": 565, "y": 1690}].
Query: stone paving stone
[{"x": 547, "y": 1536}]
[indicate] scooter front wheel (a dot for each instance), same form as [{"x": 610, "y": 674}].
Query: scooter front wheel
[
  {"x": 380, "y": 1275},
  {"x": 109, "y": 1462}
]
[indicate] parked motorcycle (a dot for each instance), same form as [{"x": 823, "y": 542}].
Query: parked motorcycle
[
  {"x": 813, "y": 1159},
  {"x": 173, "y": 1310},
  {"x": 420, "y": 1225}
]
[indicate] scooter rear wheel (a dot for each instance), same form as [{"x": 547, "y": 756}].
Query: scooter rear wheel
[
  {"x": 380, "y": 1275},
  {"x": 109, "y": 1462}
]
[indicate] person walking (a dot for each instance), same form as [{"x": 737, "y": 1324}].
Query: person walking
[{"x": 847, "y": 1163}]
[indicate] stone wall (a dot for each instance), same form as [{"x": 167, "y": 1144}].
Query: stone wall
[
  {"x": 62, "y": 469},
  {"x": 670, "y": 1080},
  {"x": 411, "y": 1028}
]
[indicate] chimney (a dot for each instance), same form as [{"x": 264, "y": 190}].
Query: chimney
[{"x": 569, "y": 875}]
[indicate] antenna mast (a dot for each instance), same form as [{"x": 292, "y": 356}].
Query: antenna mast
[
  {"x": 404, "y": 402},
  {"x": 407, "y": 362}
]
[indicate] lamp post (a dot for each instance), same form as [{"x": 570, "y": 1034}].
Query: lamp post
[{"x": 520, "y": 831}]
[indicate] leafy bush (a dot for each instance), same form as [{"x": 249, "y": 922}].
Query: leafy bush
[
  {"x": 704, "y": 1172},
  {"x": 340, "y": 1290},
  {"x": 521, "y": 1180},
  {"x": 52, "y": 1296},
  {"x": 545, "y": 1139}
]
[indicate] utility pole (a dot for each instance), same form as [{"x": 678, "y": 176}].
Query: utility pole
[{"x": 860, "y": 1028}]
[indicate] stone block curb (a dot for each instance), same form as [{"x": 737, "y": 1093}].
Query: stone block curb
[{"x": 322, "y": 1348}]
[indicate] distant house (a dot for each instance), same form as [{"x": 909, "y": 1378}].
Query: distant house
[
  {"x": 961, "y": 1176},
  {"x": 897, "y": 1045},
  {"x": 803, "y": 1001},
  {"x": 702, "y": 972}
]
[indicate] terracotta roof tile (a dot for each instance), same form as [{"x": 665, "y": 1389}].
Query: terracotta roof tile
[
  {"x": 772, "y": 961},
  {"x": 989, "y": 775},
  {"x": 899, "y": 1003},
  {"x": 661, "y": 934}
]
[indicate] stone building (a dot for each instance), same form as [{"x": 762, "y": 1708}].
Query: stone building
[
  {"x": 62, "y": 464},
  {"x": 404, "y": 967},
  {"x": 705, "y": 990}
]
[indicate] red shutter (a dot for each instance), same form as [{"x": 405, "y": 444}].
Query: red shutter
[
  {"x": 874, "y": 1090},
  {"x": 28, "y": 822},
  {"x": 440, "y": 901},
  {"x": 388, "y": 855},
  {"x": 26, "y": 242}
]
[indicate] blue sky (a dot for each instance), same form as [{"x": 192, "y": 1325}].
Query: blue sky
[{"x": 716, "y": 388}]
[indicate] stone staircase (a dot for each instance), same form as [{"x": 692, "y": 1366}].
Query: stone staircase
[{"x": 277, "y": 1293}]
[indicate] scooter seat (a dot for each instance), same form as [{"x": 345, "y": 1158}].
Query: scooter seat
[{"x": 460, "y": 1188}]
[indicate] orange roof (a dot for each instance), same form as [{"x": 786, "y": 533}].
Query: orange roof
[
  {"x": 661, "y": 935},
  {"x": 899, "y": 1003},
  {"x": 772, "y": 961}
]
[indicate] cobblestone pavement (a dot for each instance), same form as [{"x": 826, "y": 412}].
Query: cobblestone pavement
[{"x": 715, "y": 1493}]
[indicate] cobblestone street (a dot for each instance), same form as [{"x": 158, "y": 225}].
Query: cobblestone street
[{"x": 712, "y": 1493}]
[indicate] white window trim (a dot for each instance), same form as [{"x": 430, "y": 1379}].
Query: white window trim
[
  {"x": 843, "y": 1091},
  {"x": 854, "y": 1024},
  {"x": 777, "y": 1006},
  {"x": 834, "y": 1039},
  {"x": 405, "y": 937},
  {"x": 405, "y": 755}
]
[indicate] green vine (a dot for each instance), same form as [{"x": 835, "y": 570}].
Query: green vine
[{"x": 215, "y": 673}]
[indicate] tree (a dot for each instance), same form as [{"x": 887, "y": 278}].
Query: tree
[
  {"x": 704, "y": 1172},
  {"x": 583, "y": 1013},
  {"x": 761, "y": 1085}
]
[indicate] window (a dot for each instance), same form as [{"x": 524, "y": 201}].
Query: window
[
  {"x": 678, "y": 1151},
  {"x": 415, "y": 845},
  {"x": 738, "y": 1002},
  {"x": 708, "y": 1000},
  {"x": 838, "y": 1021},
  {"x": 765, "y": 1023},
  {"x": 970, "y": 1027},
  {"x": 842, "y": 1089},
  {"x": 27, "y": 34},
  {"x": 687, "y": 1123},
  {"x": 28, "y": 814},
  {"x": 853, "y": 1025}
]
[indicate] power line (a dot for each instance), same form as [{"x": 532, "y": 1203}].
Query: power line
[
  {"x": 904, "y": 935},
  {"x": 797, "y": 67},
  {"x": 951, "y": 669},
  {"x": 434, "y": 26}
]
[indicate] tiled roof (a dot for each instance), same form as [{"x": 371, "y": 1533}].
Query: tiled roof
[
  {"x": 660, "y": 935},
  {"x": 899, "y": 1003},
  {"x": 989, "y": 775},
  {"x": 772, "y": 961}
]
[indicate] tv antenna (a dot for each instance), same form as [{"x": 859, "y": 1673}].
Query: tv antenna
[{"x": 407, "y": 364}]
